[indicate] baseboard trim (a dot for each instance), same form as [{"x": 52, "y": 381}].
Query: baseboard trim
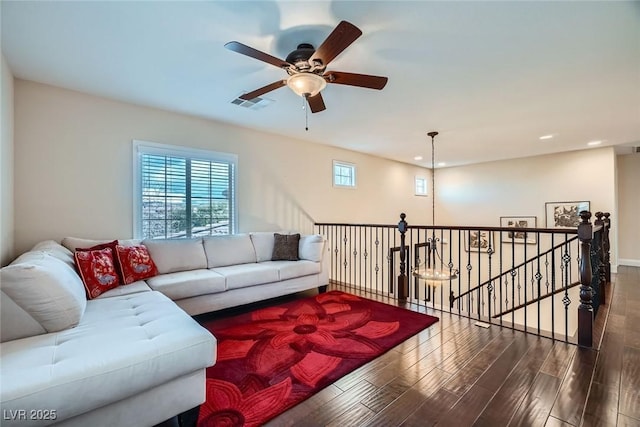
[{"x": 629, "y": 262}]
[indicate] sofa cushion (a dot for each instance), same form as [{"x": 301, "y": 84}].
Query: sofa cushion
[
  {"x": 46, "y": 288},
  {"x": 263, "y": 245},
  {"x": 292, "y": 269},
  {"x": 136, "y": 263},
  {"x": 285, "y": 247},
  {"x": 97, "y": 270},
  {"x": 243, "y": 275},
  {"x": 311, "y": 247},
  {"x": 122, "y": 347},
  {"x": 171, "y": 255},
  {"x": 229, "y": 250},
  {"x": 72, "y": 243},
  {"x": 185, "y": 284},
  {"x": 133, "y": 288},
  {"x": 56, "y": 250}
]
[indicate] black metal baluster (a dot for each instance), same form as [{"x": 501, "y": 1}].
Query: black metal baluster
[
  {"x": 566, "y": 258},
  {"x": 553, "y": 287},
  {"x": 500, "y": 263},
  {"x": 490, "y": 251},
  {"x": 513, "y": 282}
]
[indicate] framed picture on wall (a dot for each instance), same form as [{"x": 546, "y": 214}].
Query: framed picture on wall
[
  {"x": 479, "y": 241},
  {"x": 564, "y": 214},
  {"x": 518, "y": 222}
]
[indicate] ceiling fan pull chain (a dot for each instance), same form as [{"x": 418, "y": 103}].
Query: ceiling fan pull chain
[{"x": 306, "y": 112}]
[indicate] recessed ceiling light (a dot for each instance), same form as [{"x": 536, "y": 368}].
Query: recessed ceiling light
[
  {"x": 417, "y": 158},
  {"x": 592, "y": 143},
  {"x": 546, "y": 136}
]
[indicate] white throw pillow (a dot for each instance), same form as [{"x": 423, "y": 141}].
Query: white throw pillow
[
  {"x": 46, "y": 288},
  {"x": 311, "y": 247},
  {"x": 171, "y": 255},
  {"x": 263, "y": 245},
  {"x": 229, "y": 250}
]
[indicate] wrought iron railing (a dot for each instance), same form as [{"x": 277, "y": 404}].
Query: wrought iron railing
[{"x": 527, "y": 278}]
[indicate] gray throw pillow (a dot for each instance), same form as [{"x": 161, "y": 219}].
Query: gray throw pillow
[{"x": 285, "y": 247}]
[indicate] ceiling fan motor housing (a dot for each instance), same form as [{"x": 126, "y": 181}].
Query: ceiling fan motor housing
[{"x": 300, "y": 57}]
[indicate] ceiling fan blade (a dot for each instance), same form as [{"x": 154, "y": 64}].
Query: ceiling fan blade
[
  {"x": 351, "y": 79},
  {"x": 316, "y": 103},
  {"x": 339, "y": 39},
  {"x": 256, "y": 54},
  {"x": 268, "y": 88}
]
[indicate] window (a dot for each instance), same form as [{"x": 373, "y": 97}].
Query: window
[
  {"x": 421, "y": 186},
  {"x": 344, "y": 174},
  {"x": 181, "y": 192}
]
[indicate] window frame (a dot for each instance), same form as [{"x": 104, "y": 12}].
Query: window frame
[
  {"x": 352, "y": 167},
  {"x": 140, "y": 147},
  {"x": 426, "y": 186}
]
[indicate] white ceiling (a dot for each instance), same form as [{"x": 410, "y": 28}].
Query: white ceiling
[{"x": 491, "y": 77}]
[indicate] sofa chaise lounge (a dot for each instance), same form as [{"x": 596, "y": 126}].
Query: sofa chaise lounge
[{"x": 133, "y": 355}]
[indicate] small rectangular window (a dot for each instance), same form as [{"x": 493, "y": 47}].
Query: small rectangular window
[
  {"x": 421, "y": 186},
  {"x": 344, "y": 174}
]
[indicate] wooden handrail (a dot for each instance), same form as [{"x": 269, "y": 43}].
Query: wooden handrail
[
  {"x": 342, "y": 224},
  {"x": 462, "y": 228}
]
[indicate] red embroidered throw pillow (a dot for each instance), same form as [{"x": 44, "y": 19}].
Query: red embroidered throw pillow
[
  {"x": 112, "y": 245},
  {"x": 97, "y": 270},
  {"x": 135, "y": 263}
]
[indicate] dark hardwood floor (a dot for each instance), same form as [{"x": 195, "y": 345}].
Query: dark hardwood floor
[{"x": 458, "y": 374}]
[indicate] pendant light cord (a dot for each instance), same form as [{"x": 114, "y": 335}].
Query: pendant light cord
[
  {"x": 436, "y": 256},
  {"x": 433, "y": 185}
]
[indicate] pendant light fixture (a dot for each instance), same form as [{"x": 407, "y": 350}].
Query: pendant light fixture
[{"x": 432, "y": 274}]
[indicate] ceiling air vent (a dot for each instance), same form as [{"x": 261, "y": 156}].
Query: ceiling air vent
[{"x": 253, "y": 104}]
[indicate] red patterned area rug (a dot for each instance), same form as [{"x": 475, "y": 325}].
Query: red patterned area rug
[{"x": 274, "y": 358}]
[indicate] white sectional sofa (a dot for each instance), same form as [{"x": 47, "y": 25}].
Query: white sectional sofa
[{"x": 132, "y": 356}]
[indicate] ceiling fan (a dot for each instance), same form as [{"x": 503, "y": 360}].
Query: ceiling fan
[{"x": 306, "y": 67}]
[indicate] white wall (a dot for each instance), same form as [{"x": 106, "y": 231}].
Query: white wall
[
  {"x": 6, "y": 166},
  {"x": 73, "y": 170},
  {"x": 480, "y": 194},
  {"x": 629, "y": 208},
  {"x": 73, "y": 173}
]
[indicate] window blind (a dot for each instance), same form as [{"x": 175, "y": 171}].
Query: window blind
[{"x": 184, "y": 196}]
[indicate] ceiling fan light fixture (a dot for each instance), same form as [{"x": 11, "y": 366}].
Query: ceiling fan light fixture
[{"x": 306, "y": 84}]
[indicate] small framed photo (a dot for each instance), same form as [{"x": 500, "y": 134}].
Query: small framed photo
[
  {"x": 479, "y": 241},
  {"x": 564, "y": 214},
  {"x": 517, "y": 222}
]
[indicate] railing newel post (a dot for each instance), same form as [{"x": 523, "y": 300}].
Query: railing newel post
[
  {"x": 607, "y": 246},
  {"x": 585, "y": 309},
  {"x": 602, "y": 274},
  {"x": 403, "y": 280}
]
